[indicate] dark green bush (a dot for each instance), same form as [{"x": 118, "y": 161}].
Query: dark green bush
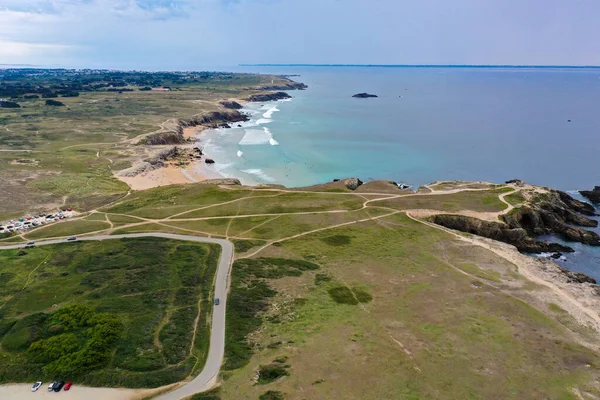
[
  {"x": 272, "y": 395},
  {"x": 337, "y": 240},
  {"x": 54, "y": 103},
  {"x": 210, "y": 395},
  {"x": 9, "y": 104},
  {"x": 270, "y": 373},
  {"x": 242, "y": 246},
  {"x": 342, "y": 295},
  {"x": 345, "y": 295},
  {"x": 322, "y": 278}
]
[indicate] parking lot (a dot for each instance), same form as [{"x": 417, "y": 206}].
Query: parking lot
[{"x": 32, "y": 221}]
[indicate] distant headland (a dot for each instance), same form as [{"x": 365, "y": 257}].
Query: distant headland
[{"x": 426, "y": 66}]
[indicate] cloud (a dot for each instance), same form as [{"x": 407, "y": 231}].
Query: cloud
[
  {"x": 22, "y": 52},
  {"x": 195, "y": 34}
]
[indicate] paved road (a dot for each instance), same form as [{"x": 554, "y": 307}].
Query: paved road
[{"x": 217, "y": 335}]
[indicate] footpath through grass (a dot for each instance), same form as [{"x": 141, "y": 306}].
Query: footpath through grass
[
  {"x": 385, "y": 317},
  {"x": 110, "y": 313}
]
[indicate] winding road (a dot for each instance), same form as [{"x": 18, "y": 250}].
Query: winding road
[{"x": 209, "y": 373}]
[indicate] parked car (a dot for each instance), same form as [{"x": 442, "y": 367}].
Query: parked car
[
  {"x": 36, "y": 386},
  {"x": 217, "y": 301},
  {"x": 58, "y": 386},
  {"x": 72, "y": 238},
  {"x": 51, "y": 386},
  {"x": 68, "y": 385}
]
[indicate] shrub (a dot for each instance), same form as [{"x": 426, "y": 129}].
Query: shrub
[
  {"x": 362, "y": 296},
  {"x": 272, "y": 395},
  {"x": 345, "y": 295},
  {"x": 270, "y": 373},
  {"x": 210, "y": 395},
  {"x": 242, "y": 246},
  {"x": 342, "y": 295},
  {"x": 9, "y": 104},
  {"x": 322, "y": 278},
  {"x": 337, "y": 240},
  {"x": 24, "y": 332},
  {"x": 54, "y": 103}
]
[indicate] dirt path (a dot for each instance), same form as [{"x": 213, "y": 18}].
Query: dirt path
[{"x": 528, "y": 268}]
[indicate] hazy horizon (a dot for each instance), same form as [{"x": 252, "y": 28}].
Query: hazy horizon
[{"x": 186, "y": 34}]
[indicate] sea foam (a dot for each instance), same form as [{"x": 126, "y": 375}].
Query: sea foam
[
  {"x": 257, "y": 137},
  {"x": 260, "y": 174},
  {"x": 240, "y": 153},
  {"x": 270, "y": 112}
]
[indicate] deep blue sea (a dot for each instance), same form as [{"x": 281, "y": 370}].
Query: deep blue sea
[{"x": 540, "y": 125}]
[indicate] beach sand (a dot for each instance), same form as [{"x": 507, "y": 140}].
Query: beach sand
[
  {"x": 192, "y": 132},
  {"x": 170, "y": 175}
]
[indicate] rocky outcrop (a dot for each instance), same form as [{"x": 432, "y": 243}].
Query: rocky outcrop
[
  {"x": 209, "y": 161},
  {"x": 172, "y": 130},
  {"x": 353, "y": 183},
  {"x": 576, "y": 205},
  {"x": 273, "y": 96},
  {"x": 554, "y": 212},
  {"x": 577, "y": 277},
  {"x": 518, "y": 237},
  {"x": 547, "y": 212},
  {"x": 364, "y": 95},
  {"x": 158, "y": 160},
  {"x": 516, "y": 182},
  {"x": 286, "y": 86},
  {"x": 214, "y": 119},
  {"x": 592, "y": 195},
  {"x": 232, "y": 105}
]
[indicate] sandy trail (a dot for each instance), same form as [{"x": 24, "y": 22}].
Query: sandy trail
[{"x": 585, "y": 314}]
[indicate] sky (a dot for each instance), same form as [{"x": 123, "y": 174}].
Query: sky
[{"x": 198, "y": 34}]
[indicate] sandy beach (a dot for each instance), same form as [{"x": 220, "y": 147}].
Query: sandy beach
[{"x": 170, "y": 175}]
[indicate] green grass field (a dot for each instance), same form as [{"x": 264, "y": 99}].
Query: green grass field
[
  {"x": 146, "y": 292},
  {"x": 386, "y": 317},
  {"x": 483, "y": 201},
  {"x": 330, "y": 298}
]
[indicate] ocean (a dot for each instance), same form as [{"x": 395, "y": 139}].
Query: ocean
[{"x": 540, "y": 125}]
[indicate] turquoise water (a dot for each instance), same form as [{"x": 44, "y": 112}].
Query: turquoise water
[
  {"x": 489, "y": 124},
  {"x": 427, "y": 124}
]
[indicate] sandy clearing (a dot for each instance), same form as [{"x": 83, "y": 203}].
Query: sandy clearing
[{"x": 22, "y": 391}]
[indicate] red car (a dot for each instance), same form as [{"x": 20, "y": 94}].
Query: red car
[{"x": 68, "y": 385}]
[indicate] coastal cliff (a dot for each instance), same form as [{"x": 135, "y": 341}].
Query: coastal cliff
[
  {"x": 289, "y": 86},
  {"x": 555, "y": 212},
  {"x": 518, "y": 237},
  {"x": 546, "y": 212},
  {"x": 274, "y": 96},
  {"x": 171, "y": 131},
  {"x": 230, "y": 104}
]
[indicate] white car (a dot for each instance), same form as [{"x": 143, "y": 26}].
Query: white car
[{"x": 36, "y": 386}]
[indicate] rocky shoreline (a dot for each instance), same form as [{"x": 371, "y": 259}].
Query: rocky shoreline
[{"x": 549, "y": 212}]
